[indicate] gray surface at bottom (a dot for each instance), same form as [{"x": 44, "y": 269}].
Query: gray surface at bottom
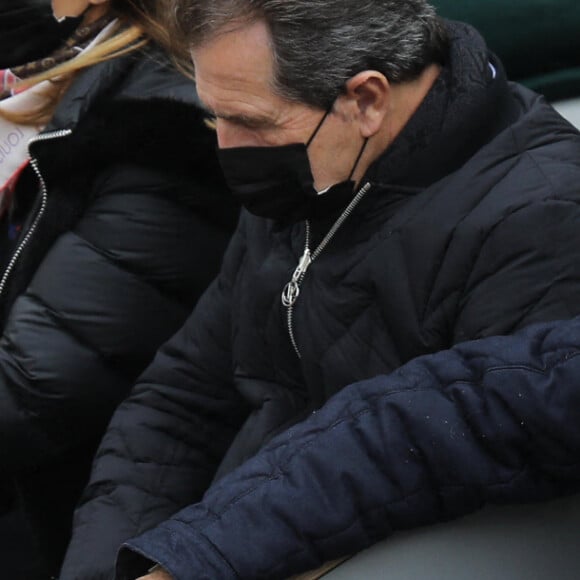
[
  {"x": 570, "y": 110},
  {"x": 531, "y": 542}
]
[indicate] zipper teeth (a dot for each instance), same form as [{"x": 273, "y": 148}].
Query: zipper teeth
[
  {"x": 48, "y": 136},
  {"x": 291, "y": 331},
  {"x": 338, "y": 223},
  {"x": 43, "y": 201},
  {"x": 325, "y": 241}
]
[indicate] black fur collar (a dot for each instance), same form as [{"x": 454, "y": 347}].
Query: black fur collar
[{"x": 157, "y": 133}]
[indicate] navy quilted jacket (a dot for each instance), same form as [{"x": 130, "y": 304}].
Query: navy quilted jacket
[{"x": 470, "y": 228}]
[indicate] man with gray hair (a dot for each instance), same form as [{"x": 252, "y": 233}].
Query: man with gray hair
[{"x": 365, "y": 360}]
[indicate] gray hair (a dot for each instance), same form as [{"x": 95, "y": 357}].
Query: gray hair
[{"x": 319, "y": 44}]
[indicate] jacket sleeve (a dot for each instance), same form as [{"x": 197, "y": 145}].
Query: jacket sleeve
[
  {"x": 105, "y": 296},
  {"x": 166, "y": 440},
  {"x": 494, "y": 420}
]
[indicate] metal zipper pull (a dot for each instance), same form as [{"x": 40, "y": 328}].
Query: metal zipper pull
[{"x": 292, "y": 289}]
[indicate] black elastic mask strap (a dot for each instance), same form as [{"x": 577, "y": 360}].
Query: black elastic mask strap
[
  {"x": 326, "y": 113},
  {"x": 362, "y": 149}
]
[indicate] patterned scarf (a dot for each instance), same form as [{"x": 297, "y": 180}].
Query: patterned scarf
[{"x": 72, "y": 47}]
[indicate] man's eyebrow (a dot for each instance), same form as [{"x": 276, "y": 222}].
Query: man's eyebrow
[{"x": 244, "y": 120}]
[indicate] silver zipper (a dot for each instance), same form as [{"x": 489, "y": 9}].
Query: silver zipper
[
  {"x": 292, "y": 289},
  {"x": 43, "y": 200}
]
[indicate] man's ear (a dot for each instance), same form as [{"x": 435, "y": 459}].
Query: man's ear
[{"x": 370, "y": 92}]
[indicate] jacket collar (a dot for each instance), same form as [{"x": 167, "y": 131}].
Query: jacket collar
[{"x": 466, "y": 107}]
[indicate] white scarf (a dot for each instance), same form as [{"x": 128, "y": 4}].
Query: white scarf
[{"x": 14, "y": 138}]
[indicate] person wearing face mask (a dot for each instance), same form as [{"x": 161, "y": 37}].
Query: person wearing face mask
[
  {"x": 29, "y": 31},
  {"x": 285, "y": 191},
  {"x": 384, "y": 346},
  {"x": 113, "y": 219}
]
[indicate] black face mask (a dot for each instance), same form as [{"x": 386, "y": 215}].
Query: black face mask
[
  {"x": 277, "y": 182},
  {"x": 28, "y": 32}
]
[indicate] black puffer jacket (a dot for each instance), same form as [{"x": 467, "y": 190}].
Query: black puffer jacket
[
  {"x": 470, "y": 228},
  {"x": 128, "y": 229}
]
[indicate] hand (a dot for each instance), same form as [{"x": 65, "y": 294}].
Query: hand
[{"x": 157, "y": 574}]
